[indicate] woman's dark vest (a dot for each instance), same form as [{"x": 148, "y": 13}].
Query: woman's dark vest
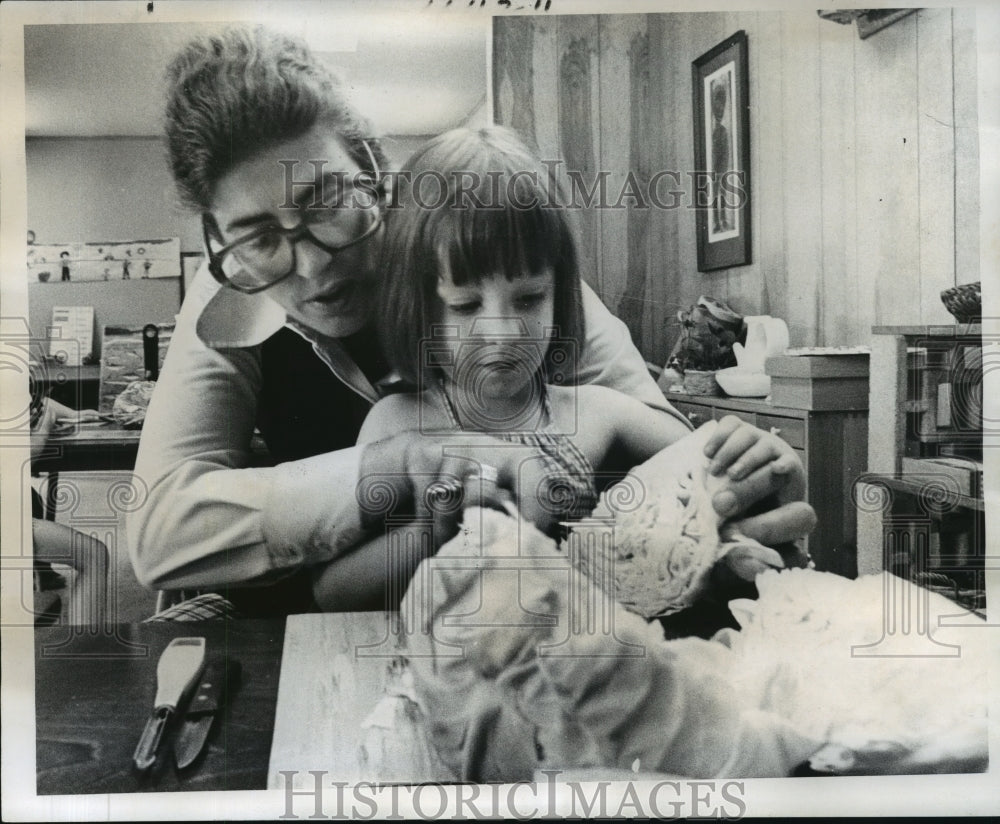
[{"x": 303, "y": 410}]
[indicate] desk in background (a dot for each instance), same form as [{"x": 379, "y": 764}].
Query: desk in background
[
  {"x": 97, "y": 447},
  {"x": 92, "y": 447},
  {"x": 77, "y": 387},
  {"x": 88, "y": 447}
]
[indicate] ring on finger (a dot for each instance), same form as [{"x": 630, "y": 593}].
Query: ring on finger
[
  {"x": 486, "y": 473},
  {"x": 443, "y": 489}
]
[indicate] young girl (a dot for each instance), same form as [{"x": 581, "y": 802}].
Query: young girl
[{"x": 481, "y": 314}]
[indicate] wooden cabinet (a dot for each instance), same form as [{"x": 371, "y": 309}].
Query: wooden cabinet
[
  {"x": 920, "y": 508},
  {"x": 833, "y": 446}
]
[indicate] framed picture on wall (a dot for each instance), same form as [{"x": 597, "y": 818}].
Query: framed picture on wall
[{"x": 722, "y": 154}]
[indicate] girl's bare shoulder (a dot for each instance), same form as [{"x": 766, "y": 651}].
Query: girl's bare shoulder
[
  {"x": 403, "y": 412},
  {"x": 589, "y": 393}
]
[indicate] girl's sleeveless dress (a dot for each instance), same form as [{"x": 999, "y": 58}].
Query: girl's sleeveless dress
[{"x": 571, "y": 492}]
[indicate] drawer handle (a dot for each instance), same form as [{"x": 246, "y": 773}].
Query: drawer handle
[
  {"x": 694, "y": 417},
  {"x": 775, "y": 430}
]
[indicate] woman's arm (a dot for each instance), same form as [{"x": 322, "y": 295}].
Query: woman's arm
[
  {"x": 369, "y": 577},
  {"x": 361, "y": 579},
  {"x": 201, "y": 515}
]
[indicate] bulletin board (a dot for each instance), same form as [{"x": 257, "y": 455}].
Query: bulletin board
[
  {"x": 104, "y": 261},
  {"x": 97, "y": 278}
]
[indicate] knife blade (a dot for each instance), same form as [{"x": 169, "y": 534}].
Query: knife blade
[
  {"x": 205, "y": 704},
  {"x": 176, "y": 672}
]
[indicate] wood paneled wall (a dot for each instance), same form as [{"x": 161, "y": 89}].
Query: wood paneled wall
[{"x": 864, "y": 161}]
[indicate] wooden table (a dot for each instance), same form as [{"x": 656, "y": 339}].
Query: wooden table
[
  {"x": 93, "y": 694},
  {"x": 88, "y": 447},
  {"x": 345, "y": 705}
]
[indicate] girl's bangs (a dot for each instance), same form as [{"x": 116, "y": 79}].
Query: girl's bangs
[{"x": 478, "y": 243}]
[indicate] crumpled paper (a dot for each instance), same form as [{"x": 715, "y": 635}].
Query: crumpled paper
[
  {"x": 130, "y": 406},
  {"x": 521, "y": 663},
  {"x": 655, "y": 537},
  {"x": 890, "y": 676}
]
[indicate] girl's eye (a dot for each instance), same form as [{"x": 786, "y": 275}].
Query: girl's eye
[
  {"x": 530, "y": 301},
  {"x": 464, "y": 308}
]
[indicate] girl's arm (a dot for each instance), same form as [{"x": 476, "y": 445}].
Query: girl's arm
[
  {"x": 392, "y": 415},
  {"x": 620, "y": 424},
  {"x": 369, "y": 578}
]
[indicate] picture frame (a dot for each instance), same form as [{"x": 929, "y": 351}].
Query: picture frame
[{"x": 720, "y": 84}]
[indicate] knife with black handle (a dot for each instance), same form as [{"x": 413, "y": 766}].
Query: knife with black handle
[{"x": 217, "y": 682}]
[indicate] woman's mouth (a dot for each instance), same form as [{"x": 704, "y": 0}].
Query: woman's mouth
[{"x": 338, "y": 299}]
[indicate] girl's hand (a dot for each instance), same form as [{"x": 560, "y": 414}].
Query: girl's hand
[{"x": 755, "y": 465}]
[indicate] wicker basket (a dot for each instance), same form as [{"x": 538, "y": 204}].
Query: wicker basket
[{"x": 965, "y": 302}]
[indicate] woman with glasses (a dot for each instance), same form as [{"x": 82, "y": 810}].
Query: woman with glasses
[{"x": 277, "y": 334}]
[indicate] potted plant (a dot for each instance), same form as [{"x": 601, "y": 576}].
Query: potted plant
[{"x": 708, "y": 331}]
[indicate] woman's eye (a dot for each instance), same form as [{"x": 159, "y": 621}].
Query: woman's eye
[{"x": 264, "y": 243}]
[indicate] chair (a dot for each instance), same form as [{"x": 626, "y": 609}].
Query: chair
[{"x": 88, "y": 592}]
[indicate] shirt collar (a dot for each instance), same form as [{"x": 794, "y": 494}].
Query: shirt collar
[
  {"x": 228, "y": 319},
  {"x": 231, "y": 319}
]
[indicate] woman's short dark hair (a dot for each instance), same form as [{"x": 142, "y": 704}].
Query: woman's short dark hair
[
  {"x": 234, "y": 94},
  {"x": 483, "y": 203}
]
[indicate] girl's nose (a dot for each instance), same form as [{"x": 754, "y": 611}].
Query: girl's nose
[{"x": 507, "y": 325}]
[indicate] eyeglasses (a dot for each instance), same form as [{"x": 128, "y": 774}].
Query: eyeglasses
[{"x": 341, "y": 218}]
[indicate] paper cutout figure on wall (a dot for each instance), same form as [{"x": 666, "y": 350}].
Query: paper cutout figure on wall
[{"x": 102, "y": 260}]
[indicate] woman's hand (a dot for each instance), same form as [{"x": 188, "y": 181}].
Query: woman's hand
[
  {"x": 429, "y": 471},
  {"x": 756, "y": 465},
  {"x": 522, "y": 478}
]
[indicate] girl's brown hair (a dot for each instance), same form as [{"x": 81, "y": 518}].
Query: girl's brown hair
[{"x": 483, "y": 203}]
